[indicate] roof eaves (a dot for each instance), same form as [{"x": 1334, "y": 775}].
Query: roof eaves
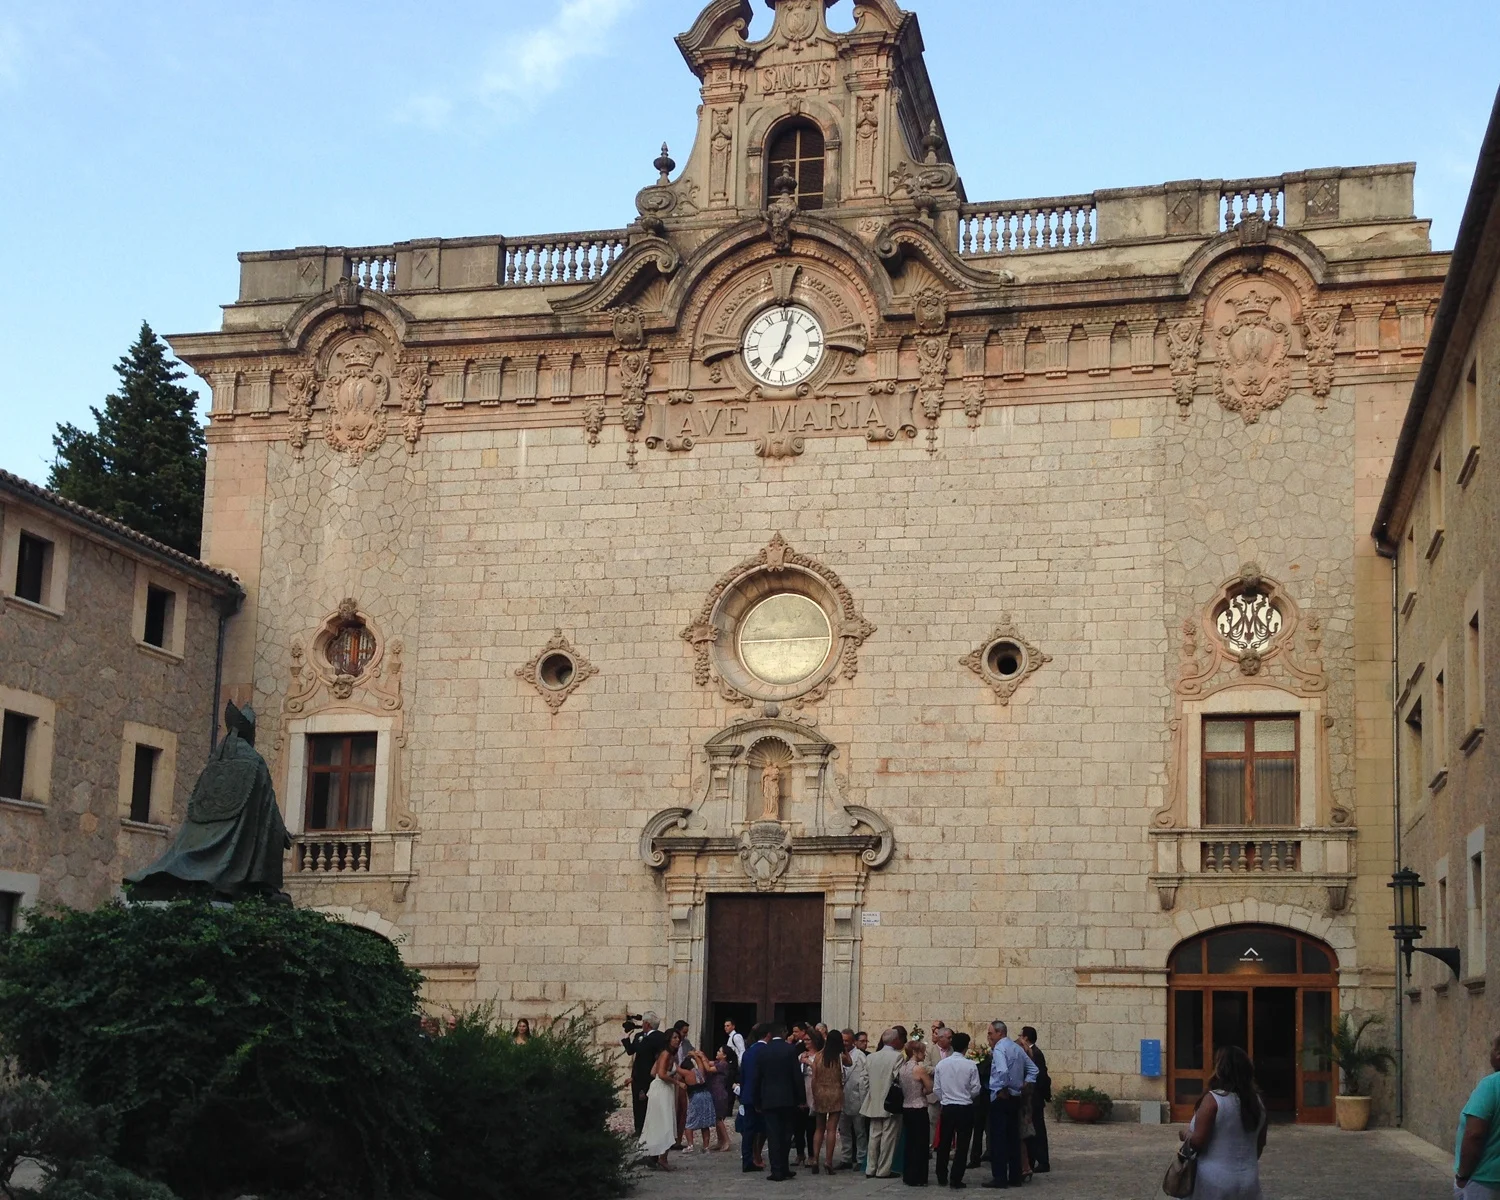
[
  {"x": 224, "y": 582},
  {"x": 1478, "y": 213}
]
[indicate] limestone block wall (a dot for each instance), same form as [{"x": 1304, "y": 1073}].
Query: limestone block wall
[{"x": 1096, "y": 519}]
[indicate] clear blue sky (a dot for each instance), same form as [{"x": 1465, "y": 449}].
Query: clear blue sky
[{"x": 143, "y": 144}]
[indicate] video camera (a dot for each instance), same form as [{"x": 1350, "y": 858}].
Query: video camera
[{"x": 631, "y": 1023}]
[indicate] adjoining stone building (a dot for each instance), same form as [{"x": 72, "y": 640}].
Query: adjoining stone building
[
  {"x": 109, "y": 642},
  {"x": 1439, "y": 520},
  {"x": 828, "y": 594}
]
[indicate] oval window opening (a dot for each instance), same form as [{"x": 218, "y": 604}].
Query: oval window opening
[
  {"x": 785, "y": 638},
  {"x": 555, "y": 671}
]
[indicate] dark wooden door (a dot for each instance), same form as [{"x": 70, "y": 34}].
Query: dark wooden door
[{"x": 765, "y": 953}]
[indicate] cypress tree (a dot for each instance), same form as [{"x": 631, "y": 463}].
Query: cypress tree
[{"x": 143, "y": 464}]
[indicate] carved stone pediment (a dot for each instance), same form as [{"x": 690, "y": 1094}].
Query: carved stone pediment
[{"x": 771, "y": 803}]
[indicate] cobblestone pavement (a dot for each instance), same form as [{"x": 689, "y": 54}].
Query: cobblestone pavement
[{"x": 1121, "y": 1162}]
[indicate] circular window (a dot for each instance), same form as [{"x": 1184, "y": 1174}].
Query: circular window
[
  {"x": 1005, "y": 659},
  {"x": 785, "y": 638},
  {"x": 555, "y": 671}
]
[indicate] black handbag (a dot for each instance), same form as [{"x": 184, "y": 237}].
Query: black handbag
[{"x": 895, "y": 1100}]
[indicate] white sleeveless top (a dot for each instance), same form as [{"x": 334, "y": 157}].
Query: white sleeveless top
[{"x": 1228, "y": 1167}]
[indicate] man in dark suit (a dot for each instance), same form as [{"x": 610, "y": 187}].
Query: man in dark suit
[
  {"x": 752, "y": 1128},
  {"x": 777, "y": 1091},
  {"x": 643, "y": 1045}
]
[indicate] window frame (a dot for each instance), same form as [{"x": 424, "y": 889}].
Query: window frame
[
  {"x": 1472, "y": 420},
  {"x": 346, "y": 769},
  {"x": 133, "y": 734},
  {"x": 1257, "y": 699},
  {"x": 23, "y": 886},
  {"x": 1436, "y": 506},
  {"x": 797, "y": 127},
  {"x": 295, "y": 792},
  {"x": 1476, "y": 903},
  {"x": 175, "y": 632},
  {"x": 1249, "y": 757},
  {"x": 55, "y": 585},
  {"x": 36, "y": 772}
]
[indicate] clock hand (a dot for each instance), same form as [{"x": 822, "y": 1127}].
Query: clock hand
[{"x": 785, "y": 338}]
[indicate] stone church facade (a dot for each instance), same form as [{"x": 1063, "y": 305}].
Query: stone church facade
[{"x": 830, "y": 595}]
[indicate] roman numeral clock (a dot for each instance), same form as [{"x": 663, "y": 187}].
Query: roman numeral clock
[{"x": 783, "y": 346}]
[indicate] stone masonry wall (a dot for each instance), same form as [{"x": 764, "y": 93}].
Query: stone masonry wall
[
  {"x": 1096, "y": 521},
  {"x": 88, "y": 662}
]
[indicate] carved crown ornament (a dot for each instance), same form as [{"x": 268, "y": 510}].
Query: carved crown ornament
[
  {"x": 769, "y": 804},
  {"x": 780, "y": 627}
]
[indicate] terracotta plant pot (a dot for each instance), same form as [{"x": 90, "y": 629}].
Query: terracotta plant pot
[
  {"x": 1081, "y": 1111},
  {"x": 1352, "y": 1112}
]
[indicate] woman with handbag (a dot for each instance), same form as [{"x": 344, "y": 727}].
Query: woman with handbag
[{"x": 1222, "y": 1145}]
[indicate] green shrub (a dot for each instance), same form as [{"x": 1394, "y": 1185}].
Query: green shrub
[
  {"x": 523, "y": 1122},
  {"x": 234, "y": 1048},
  {"x": 69, "y": 1142}
]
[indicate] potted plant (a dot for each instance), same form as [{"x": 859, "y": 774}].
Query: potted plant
[
  {"x": 1084, "y": 1104},
  {"x": 1355, "y": 1059}
]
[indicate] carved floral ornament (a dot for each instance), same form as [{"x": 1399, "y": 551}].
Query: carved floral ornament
[
  {"x": 779, "y": 627},
  {"x": 557, "y": 670},
  {"x": 1251, "y": 627},
  {"x": 346, "y": 665},
  {"x": 1005, "y": 660},
  {"x": 1253, "y": 349}
]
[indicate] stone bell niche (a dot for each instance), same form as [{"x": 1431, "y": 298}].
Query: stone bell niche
[{"x": 771, "y": 817}]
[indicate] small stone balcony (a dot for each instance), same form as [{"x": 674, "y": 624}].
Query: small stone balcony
[
  {"x": 354, "y": 856},
  {"x": 1238, "y": 859}
]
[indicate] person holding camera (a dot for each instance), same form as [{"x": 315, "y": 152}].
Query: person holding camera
[{"x": 643, "y": 1041}]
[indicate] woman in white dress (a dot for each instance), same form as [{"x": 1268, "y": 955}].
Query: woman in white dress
[
  {"x": 659, "y": 1133},
  {"x": 1228, "y": 1131}
]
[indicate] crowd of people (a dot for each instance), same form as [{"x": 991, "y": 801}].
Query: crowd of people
[{"x": 908, "y": 1107}]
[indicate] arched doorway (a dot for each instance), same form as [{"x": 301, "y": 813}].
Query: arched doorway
[{"x": 1271, "y": 991}]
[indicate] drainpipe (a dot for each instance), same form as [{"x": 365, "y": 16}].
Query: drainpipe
[{"x": 1389, "y": 551}]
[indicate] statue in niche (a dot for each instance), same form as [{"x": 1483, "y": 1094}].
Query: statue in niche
[{"x": 770, "y": 792}]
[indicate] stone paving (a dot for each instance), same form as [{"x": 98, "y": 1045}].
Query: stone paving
[{"x": 1122, "y": 1162}]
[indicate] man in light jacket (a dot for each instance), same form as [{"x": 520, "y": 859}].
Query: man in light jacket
[
  {"x": 885, "y": 1127},
  {"x": 854, "y": 1126}
]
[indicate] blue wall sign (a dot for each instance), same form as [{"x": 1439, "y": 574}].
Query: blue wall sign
[{"x": 1151, "y": 1058}]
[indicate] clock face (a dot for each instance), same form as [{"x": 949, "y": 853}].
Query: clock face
[{"x": 783, "y": 346}]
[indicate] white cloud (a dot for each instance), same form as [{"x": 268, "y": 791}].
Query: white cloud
[{"x": 526, "y": 66}]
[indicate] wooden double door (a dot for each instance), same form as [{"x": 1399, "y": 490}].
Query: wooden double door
[
  {"x": 1271, "y": 992},
  {"x": 765, "y": 961}
]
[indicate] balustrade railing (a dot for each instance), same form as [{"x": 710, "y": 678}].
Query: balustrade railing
[
  {"x": 372, "y": 267},
  {"x": 332, "y": 855},
  {"x": 1241, "y": 198},
  {"x": 1055, "y": 223},
  {"x": 562, "y": 258},
  {"x": 1239, "y": 855}
]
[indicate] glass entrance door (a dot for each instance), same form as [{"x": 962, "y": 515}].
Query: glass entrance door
[{"x": 1268, "y": 991}]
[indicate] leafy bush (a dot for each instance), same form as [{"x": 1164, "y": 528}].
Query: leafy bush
[
  {"x": 233, "y": 1048},
  {"x": 525, "y": 1122},
  {"x": 68, "y": 1141},
  {"x": 1084, "y": 1095}
]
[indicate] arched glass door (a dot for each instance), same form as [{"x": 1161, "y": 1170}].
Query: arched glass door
[{"x": 1270, "y": 991}]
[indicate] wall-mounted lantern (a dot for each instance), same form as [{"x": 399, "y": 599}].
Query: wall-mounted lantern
[{"x": 1407, "y": 886}]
